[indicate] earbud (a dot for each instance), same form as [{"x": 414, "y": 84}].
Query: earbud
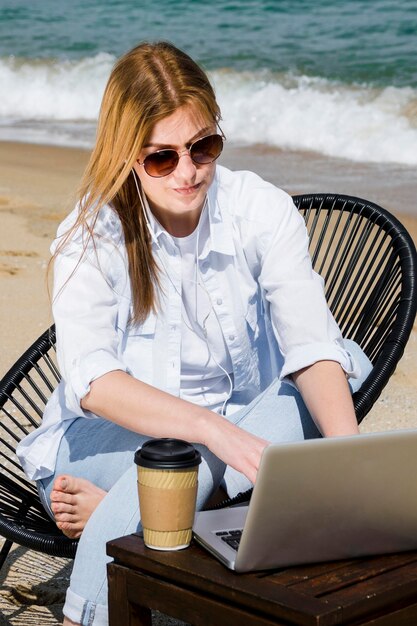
[{"x": 151, "y": 232}]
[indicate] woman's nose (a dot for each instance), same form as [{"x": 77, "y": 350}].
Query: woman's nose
[{"x": 186, "y": 169}]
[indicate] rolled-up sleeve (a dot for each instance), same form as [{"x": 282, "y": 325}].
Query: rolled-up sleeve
[
  {"x": 302, "y": 322},
  {"x": 85, "y": 308}
]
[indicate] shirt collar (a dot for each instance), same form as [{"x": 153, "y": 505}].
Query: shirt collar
[
  {"x": 220, "y": 222},
  {"x": 221, "y": 227}
]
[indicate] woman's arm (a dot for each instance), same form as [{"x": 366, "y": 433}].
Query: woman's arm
[
  {"x": 326, "y": 393},
  {"x": 139, "y": 407}
]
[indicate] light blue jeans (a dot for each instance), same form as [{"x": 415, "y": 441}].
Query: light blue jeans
[{"x": 103, "y": 452}]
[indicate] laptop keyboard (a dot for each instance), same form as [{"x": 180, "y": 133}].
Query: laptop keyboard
[{"x": 231, "y": 537}]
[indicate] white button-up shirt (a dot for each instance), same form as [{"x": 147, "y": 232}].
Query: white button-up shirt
[{"x": 257, "y": 271}]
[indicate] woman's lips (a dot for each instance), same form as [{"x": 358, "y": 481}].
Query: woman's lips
[{"x": 186, "y": 191}]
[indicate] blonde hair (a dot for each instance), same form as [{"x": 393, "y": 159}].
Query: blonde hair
[{"x": 146, "y": 85}]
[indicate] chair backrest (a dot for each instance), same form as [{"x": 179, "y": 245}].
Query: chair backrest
[{"x": 368, "y": 261}]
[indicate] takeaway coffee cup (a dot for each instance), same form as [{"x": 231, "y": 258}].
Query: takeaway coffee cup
[{"x": 167, "y": 487}]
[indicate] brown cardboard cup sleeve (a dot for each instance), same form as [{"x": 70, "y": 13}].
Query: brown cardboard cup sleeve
[{"x": 167, "y": 509}]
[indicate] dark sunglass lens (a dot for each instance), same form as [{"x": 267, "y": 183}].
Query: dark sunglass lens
[
  {"x": 161, "y": 163},
  {"x": 207, "y": 150}
]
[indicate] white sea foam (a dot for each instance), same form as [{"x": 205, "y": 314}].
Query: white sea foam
[
  {"x": 58, "y": 102},
  {"x": 52, "y": 102},
  {"x": 65, "y": 90},
  {"x": 299, "y": 113}
]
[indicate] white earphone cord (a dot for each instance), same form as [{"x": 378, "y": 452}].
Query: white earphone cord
[{"x": 198, "y": 282}]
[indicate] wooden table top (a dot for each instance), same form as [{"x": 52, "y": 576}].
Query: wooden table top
[{"x": 321, "y": 594}]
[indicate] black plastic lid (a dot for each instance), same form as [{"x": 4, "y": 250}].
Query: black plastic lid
[{"x": 167, "y": 454}]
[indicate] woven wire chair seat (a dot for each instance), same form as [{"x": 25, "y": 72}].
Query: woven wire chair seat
[{"x": 368, "y": 262}]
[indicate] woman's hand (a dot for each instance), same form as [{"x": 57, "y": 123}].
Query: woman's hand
[{"x": 234, "y": 446}]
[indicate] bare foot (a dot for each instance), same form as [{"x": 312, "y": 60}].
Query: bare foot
[{"x": 73, "y": 500}]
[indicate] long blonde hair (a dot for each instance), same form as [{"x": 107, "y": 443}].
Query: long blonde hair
[{"x": 146, "y": 85}]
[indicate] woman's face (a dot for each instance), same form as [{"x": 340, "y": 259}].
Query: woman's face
[{"x": 176, "y": 200}]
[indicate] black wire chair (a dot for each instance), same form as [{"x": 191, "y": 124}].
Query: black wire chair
[{"x": 368, "y": 261}]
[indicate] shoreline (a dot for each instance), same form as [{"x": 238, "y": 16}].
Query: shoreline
[{"x": 391, "y": 185}]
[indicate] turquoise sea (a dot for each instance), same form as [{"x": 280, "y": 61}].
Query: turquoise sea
[{"x": 334, "y": 78}]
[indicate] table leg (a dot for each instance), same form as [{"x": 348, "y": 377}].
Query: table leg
[{"x": 121, "y": 611}]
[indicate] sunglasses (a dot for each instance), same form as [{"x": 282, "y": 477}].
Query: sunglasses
[{"x": 203, "y": 151}]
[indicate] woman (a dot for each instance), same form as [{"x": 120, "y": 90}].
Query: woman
[{"x": 185, "y": 306}]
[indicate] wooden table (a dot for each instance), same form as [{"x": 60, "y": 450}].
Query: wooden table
[{"x": 192, "y": 586}]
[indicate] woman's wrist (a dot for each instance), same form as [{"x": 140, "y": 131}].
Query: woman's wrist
[
  {"x": 343, "y": 426},
  {"x": 209, "y": 425}
]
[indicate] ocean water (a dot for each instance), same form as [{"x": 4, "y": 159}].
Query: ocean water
[{"x": 336, "y": 78}]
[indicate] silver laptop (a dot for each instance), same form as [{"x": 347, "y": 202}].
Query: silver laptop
[{"x": 321, "y": 500}]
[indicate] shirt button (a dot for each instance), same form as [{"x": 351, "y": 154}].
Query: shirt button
[
  {"x": 231, "y": 337},
  {"x": 219, "y": 301}
]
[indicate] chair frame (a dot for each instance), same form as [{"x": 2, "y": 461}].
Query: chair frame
[
  {"x": 45, "y": 536},
  {"x": 362, "y": 226}
]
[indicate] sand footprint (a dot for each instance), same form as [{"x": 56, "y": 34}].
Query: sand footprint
[
  {"x": 8, "y": 270},
  {"x": 24, "y": 253}
]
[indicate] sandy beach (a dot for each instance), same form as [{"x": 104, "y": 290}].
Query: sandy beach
[{"x": 37, "y": 189}]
